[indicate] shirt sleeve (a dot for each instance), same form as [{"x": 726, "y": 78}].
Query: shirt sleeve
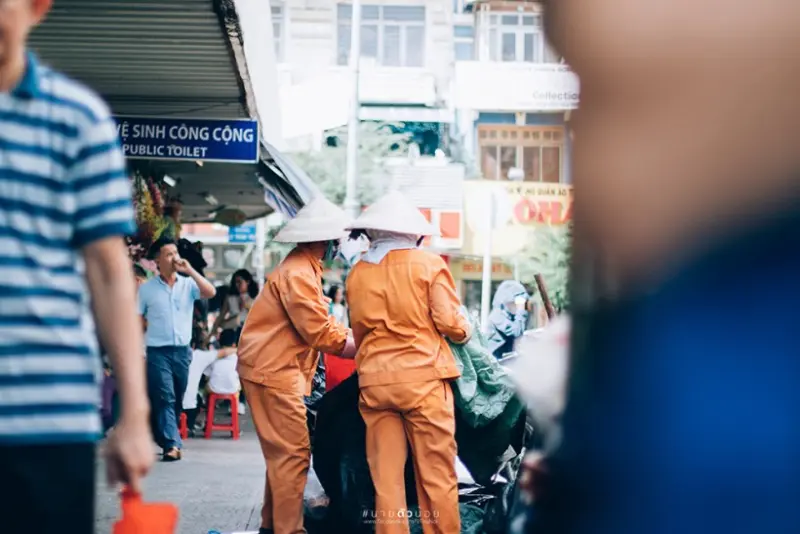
[
  {"x": 194, "y": 289},
  {"x": 100, "y": 186},
  {"x": 446, "y": 307},
  {"x": 302, "y": 298},
  {"x": 140, "y": 300}
]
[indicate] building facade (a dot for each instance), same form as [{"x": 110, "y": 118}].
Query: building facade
[{"x": 481, "y": 72}]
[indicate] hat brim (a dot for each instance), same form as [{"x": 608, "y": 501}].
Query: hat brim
[{"x": 426, "y": 231}]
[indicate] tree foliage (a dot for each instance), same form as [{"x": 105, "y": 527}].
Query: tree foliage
[
  {"x": 548, "y": 254},
  {"x": 328, "y": 166}
]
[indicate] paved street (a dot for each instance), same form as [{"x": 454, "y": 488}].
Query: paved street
[{"x": 217, "y": 486}]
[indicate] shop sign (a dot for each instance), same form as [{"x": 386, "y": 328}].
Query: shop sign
[
  {"x": 166, "y": 138},
  {"x": 245, "y": 233},
  {"x": 521, "y": 207},
  {"x": 516, "y": 86}
]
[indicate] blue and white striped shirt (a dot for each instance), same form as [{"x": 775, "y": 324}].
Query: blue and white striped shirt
[{"x": 63, "y": 185}]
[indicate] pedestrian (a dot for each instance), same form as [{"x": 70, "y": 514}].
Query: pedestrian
[
  {"x": 166, "y": 303},
  {"x": 406, "y": 306},
  {"x": 239, "y": 299},
  {"x": 337, "y": 307},
  {"x": 508, "y": 318},
  {"x": 278, "y": 354},
  {"x": 65, "y": 207}
]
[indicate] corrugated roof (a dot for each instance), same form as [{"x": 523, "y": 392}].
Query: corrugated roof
[
  {"x": 165, "y": 58},
  {"x": 155, "y": 57}
]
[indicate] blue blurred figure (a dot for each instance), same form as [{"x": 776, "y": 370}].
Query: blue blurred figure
[{"x": 508, "y": 318}]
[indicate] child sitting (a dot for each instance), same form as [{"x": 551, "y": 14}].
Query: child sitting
[{"x": 220, "y": 368}]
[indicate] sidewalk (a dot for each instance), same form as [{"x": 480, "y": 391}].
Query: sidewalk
[{"x": 217, "y": 486}]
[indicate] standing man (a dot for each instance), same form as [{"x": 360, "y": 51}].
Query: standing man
[
  {"x": 65, "y": 205},
  {"x": 166, "y": 303}
]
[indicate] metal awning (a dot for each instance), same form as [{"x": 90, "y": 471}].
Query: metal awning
[{"x": 169, "y": 58}]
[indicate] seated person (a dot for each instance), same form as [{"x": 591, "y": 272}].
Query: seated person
[{"x": 219, "y": 365}]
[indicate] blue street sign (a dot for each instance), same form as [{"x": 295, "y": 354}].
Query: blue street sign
[
  {"x": 232, "y": 141},
  {"x": 245, "y": 233}
]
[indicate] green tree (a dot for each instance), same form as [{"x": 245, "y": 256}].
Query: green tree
[
  {"x": 328, "y": 166},
  {"x": 548, "y": 254}
]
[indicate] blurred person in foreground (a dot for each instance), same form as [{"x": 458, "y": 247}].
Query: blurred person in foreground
[
  {"x": 404, "y": 304},
  {"x": 286, "y": 329},
  {"x": 65, "y": 206},
  {"x": 684, "y": 394}
]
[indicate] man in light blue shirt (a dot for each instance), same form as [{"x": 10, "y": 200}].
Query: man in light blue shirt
[{"x": 166, "y": 303}]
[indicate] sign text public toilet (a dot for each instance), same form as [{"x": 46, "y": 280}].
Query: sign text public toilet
[{"x": 226, "y": 140}]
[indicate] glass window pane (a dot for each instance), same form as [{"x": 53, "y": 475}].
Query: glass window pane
[
  {"x": 509, "y": 20},
  {"x": 343, "y": 44},
  {"x": 370, "y": 12},
  {"x": 464, "y": 31},
  {"x": 509, "y": 45},
  {"x": 531, "y": 163},
  {"x": 464, "y": 52},
  {"x": 369, "y": 41},
  {"x": 344, "y": 11},
  {"x": 508, "y": 160},
  {"x": 415, "y": 46},
  {"x": 530, "y": 20},
  {"x": 532, "y": 49},
  {"x": 276, "y": 30},
  {"x": 391, "y": 46},
  {"x": 406, "y": 13},
  {"x": 489, "y": 162},
  {"x": 276, "y": 11},
  {"x": 551, "y": 164}
]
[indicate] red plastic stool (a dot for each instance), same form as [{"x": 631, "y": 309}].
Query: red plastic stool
[
  {"x": 183, "y": 429},
  {"x": 212, "y": 404}
]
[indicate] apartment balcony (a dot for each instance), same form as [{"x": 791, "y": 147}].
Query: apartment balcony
[{"x": 515, "y": 86}]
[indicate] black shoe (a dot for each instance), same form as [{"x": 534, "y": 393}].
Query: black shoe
[{"x": 266, "y": 531}]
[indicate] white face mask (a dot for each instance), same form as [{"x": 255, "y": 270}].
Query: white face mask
[{"x": 351, "y": 249}]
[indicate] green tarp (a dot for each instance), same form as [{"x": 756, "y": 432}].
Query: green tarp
[{"x": 489, "y": 415}]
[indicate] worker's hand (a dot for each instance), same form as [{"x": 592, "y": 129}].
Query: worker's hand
[
  {"x": 182, "y": 266},
  {"x": 350, "y": 350},
  {"x": 129, "y": 452}
]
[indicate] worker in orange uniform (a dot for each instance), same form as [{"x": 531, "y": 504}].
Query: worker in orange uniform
[
  {"x": 288, "y": 325},
  {"x": 403, "y": 304}
]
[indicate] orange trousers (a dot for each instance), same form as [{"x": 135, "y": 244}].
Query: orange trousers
[
  {"x": 420, "y": 414},
  {"x": 280, "y": 420}
]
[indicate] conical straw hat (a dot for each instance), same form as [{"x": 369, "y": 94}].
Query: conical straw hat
[
  {"x": 393, "y": 212},
  {"x": 319, "y": 220}
]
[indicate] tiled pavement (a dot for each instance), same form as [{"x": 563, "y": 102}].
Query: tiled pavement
[{"x": 217, "y": 486}]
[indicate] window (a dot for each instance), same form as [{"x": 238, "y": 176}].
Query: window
[
  {"x": 464, "y": 37},
  {"x": 536, "y": 150},
  {"x": 394, "y": 36},
  {"x": 519, "y": 37},
  {"x": 277, "y": 31},
  {"x": 460, "y": 6}
]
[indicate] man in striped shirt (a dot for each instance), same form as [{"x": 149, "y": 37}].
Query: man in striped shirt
[{"x": 65, "y": 206}]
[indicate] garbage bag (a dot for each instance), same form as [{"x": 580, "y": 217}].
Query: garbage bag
[
  {"x": 312, "y": 401},
  {"x": 484, "y": 389},
  {"x": 315, "y": 502},
  {"x": 339, "y": 457},
  {"x": 484, "y": 450},
  {"x": 339, "y": 454}
]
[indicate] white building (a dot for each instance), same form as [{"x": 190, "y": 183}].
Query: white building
[{"x": 483, "y": 69}]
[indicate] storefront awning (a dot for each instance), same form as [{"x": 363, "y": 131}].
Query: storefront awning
[{"x": 173, "y": 59}]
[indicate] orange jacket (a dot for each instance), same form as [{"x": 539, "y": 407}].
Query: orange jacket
[
  {"x": 287, "y": 327},
  {"x": 400, "y": 309}
]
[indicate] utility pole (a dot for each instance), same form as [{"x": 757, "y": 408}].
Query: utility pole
[{"x": 351, "y": 204}]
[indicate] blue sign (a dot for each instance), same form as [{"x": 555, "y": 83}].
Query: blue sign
[
  {"x": 245, "y": 233},
  {"x": 232, "y": 141}
]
